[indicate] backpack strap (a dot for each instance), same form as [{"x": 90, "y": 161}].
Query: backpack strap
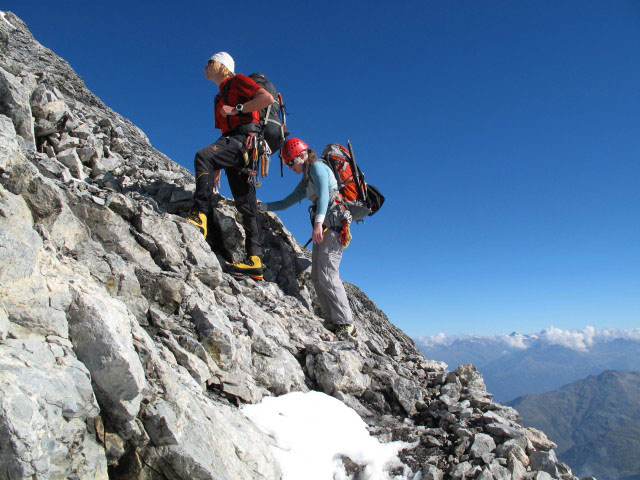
[{"x": 225, "y": 96}]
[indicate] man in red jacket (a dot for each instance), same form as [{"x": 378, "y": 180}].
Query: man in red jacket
[{"x": 237, "y": 113}]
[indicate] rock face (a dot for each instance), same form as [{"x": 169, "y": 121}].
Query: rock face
[{"x": 125, "y": 350}]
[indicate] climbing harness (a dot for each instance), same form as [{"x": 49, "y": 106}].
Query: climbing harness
[{"x": 256, "y": 155}]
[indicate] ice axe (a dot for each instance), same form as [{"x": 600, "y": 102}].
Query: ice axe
[{"x": 309, "y": 241}]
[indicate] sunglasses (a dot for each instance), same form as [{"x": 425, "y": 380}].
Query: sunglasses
[{"x": 293, "y": 161}]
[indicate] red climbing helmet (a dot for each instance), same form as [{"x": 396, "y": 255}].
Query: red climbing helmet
[{"x": 292, "y": 148}]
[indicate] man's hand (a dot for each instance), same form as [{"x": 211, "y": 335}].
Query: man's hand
[
  {"x": 262, "y": 99},
  {"x": 228, "y": 111},
  {"x": 216, "y": 179},
  {"x": 317, "y": 234}
]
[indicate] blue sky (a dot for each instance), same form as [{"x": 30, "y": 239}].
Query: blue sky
[{"x": 504, "y": 135}]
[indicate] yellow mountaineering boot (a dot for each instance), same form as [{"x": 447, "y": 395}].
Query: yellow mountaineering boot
[
  {"x": 346, "y": 331},
  {"x": 252, "y": 267},
  {"x": 199, "y": 220}
]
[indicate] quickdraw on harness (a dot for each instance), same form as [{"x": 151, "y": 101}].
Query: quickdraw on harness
[
  {"x": 256, "y": 157},
  {"x": 345, "y": 231}
]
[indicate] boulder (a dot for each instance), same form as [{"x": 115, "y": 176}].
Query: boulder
[
  {"x": 14, "y": 102},
  {"x": 69, "y": 158},
  {"x": 482, "y": 445},
  {"x": 100, "y": 329}
]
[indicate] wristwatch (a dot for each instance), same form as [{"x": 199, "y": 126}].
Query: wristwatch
[{"x": 239, "y": 108}]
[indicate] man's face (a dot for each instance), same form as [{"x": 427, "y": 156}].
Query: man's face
[{"x": 209, "y": 72}]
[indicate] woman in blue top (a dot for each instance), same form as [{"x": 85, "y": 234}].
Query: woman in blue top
[{"x": 319, "y": 185}]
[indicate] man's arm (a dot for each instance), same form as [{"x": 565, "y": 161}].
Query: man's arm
[{"x": 262, "y": 99}]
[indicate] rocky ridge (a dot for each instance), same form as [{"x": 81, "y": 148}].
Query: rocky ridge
[{"x": 125, "y": 350}]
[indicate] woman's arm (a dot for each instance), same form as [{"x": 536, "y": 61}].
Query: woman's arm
[
  {"x": 291, "y": 199},
  {"x": 320, "y": 178}
]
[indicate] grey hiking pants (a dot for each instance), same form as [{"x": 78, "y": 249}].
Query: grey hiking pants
[{"x": 325, "y": 261}]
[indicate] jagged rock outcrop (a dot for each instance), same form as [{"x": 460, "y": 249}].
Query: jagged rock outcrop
[{"x": 125, "y": 350}]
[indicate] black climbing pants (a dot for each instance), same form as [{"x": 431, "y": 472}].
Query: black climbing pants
[{"x": 226, "y": 153}]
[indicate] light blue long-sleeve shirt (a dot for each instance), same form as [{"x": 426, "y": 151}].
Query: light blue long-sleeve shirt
[{"x": 318, "y": 190}]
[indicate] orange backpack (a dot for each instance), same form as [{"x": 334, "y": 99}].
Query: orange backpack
[{"x": 361, "y": 198}]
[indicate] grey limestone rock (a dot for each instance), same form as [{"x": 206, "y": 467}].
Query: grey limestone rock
[
  {"x": 539, "y": 440},
  {"x": 46, "y": 395},
  {"x": 4, "y": 324},
  {"x": 14, "y": 103},
  {"x": 512, "y": 448},
  {"x": 408, "y": 393},
  {"x": 431, "y": 472},
  {"x": 516, "y": 468},
  {"x": 24, "y": 290},
  {"x": 461, "y": 470},
  {"x": 215, "y": 333},
  {"x": 545, "y": 461},
  {"x": 498, "y": 472},
  {"x": 482, "y": 445},
  {"x": 502, "y": 430},
  {"x": 337, "y": 366},
  {"x": 540, "y": 475},
  {"x": 197, "y": 367},
  {"x": 100, "y": 329},
  {"x": 279, "y": 374},
  {"x": 69, "y": 158}
]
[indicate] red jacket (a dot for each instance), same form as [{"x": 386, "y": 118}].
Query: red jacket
[{"x": 241, "y": 90}]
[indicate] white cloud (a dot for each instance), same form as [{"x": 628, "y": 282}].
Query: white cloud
[
  {"x": 517, "y": 341},
  {"x": 440, "y": 339},
  {"x": 614, "y": 334},
  {"x": 580, "y": 340},
  {"x": 573, "y": 339}
]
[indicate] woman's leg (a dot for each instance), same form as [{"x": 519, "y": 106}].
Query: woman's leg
[{"x": 326, "y": 280}]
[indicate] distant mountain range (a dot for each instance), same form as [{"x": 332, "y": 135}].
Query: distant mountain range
[
  {"x": 516, "y": 364},
  {"x": 594, "y": 421}
]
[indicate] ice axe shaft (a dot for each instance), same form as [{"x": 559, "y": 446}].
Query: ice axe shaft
[{"x": 309, "y": 241}]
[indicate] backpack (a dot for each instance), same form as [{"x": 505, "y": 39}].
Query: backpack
[
  {"x": 361, "y": 199},
  {"x": 272, "y": 119}
]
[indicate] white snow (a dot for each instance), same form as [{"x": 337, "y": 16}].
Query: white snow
[
  {"x": 2, "y": 14},
  {"x": 312, "y": 430}
]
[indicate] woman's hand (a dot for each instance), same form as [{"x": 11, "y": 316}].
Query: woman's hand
[
  {"x": 317, "y": 234},
  {"x": 216, "y": 179}
]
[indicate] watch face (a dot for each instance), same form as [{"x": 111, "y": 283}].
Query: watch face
[{"x": 239, "y": 107}]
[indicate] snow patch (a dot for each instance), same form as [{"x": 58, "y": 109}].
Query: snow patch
[
  {"x": 3, "y": 15},
  {"x": 313, "y": 430}
]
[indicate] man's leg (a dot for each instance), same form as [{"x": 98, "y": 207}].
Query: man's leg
[
  {"x": 225, "y": 152},
  {"x": 244, "y": 195}
]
